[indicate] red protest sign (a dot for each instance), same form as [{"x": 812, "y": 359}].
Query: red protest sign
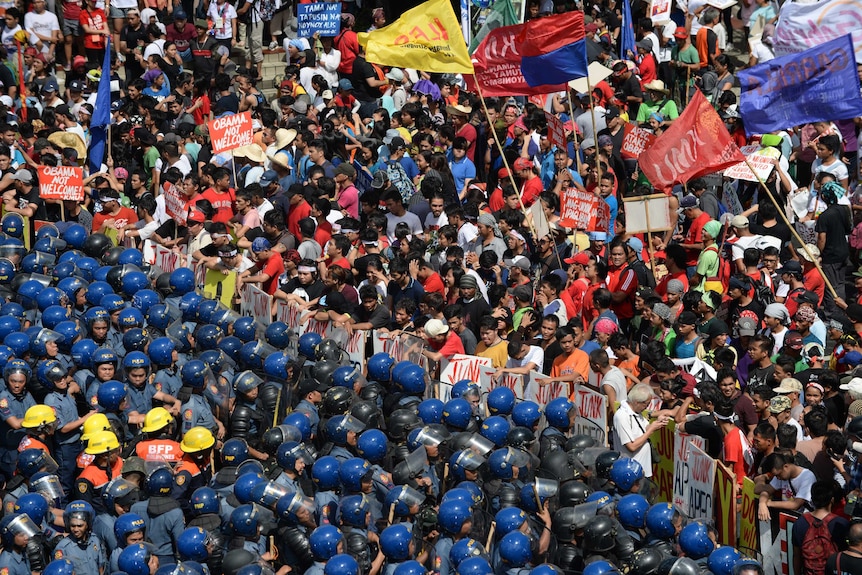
[
  {"x": 230, "y": 132},
  {"x": 556, "y": 134},
  {"x": 175, "y": 204},
  {"x": 583, "y": 211},
  {"x": 61, "y": 183},
  {"x": 635, "y": 141}
]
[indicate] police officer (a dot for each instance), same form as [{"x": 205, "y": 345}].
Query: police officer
[
  {"x": 292, "y": 457},
  {"x": 324, "y": 474},
  {"x": 82, "y": 355},
  {"x": 106, "y": 465},
  {"x": 455, "y": 520},
  {"x": 373, "y": 446},
  {"x": 15, "y": 533},
  {"x": 196, "y": 412},
  {"x": 138, "y": 559},
  {"x": 396, "y": 543},
  {"x": 111, "y": 397},
  {"x": 140, "y": 396},
  {"x": 342, "y": 431},
  {"x": 310, "y": 394},
  {"x": 205, "y": 515},
  {"x": 249, "y": 418},
  {"x": 194, "y": 469},
  {"x": 129, "y": 528},
  {"x": 163, "y": 354},
  {"x": 15, "y": 400},
  {"x": 162, "y": 514},
  {"x": 560, "y": 414},
  {"x": 325, "y": 543},
  {"x": 81, "y": 546},
  {"x": 119, "y": 496},
  {"x": 156, "y": 440}
]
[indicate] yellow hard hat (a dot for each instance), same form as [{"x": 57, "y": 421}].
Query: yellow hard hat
[
  {"x": 37, "y": 416},
  {"x": 102, "y": 442},
  {"x": 156, "y": 418},
  {"x": 96, "y": 422},
  {"x": 197, "y": 439}
]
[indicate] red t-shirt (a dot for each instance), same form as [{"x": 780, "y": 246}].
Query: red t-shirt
[
  {"x": 530, "y": 190},
  {"x": 341, "y": 262},
  {"x": 625, "y": 281},
  {"x": 814, "y": 281},
  {"x": 202, "y": 111},
  {"x": 222, "y": 203},
  {"x": 296, "y": 213},
  {"x": 434, "y": 284},
  {"x": 695, "y": 235},
  {"x": 93, "y": 19},
  {"x": 124, "y": 217},
  {"x": 348, "y": 44},
  {"x": 273, "y": 267},
  {"x": 451, "y": 346},
  {"x": 468, "y": 132},
  {"x": 323, "y": 233},
  {"x": 661, "y": 288},
  {"x": 734, "y": 454}
]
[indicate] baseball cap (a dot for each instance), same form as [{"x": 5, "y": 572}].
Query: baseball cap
[
  {"x": 689, "y": 202},
  {"x": 179, "y": 14},
  {"x": 23, "y": 175},
  {"x": 50, "y": 86},
  {"x": 779, "y": 403},
  {"x": 436, "y": 327},
  {"x": 396, "y": 75},
  {"x": 636, "y": 246},
  {"x": 260, "y": 245},
  {"x": 739, "y": 222},
  {"x": 791, "y": 267},
  {"x": 345, "y": 169},
  {"x": 747, "y": 326},
  {"x": 588, "y": 143},
  {"x": 345, "y": 84},
  {"x": 789, "y": 385},
  {"x": 807, "y": 296},
  {"x": 380, "y": 179},
  {"x": 76, "y": 86},
  {"x": 793, "y": 340},
  {"x": 591, "y": 27},
  {"x": 523, "y": 164},
  {"x": 518, "y": 261},
  {"x": 581, "y": 258},
  {"x": 268, "y": 178},
  {"x": 855, "y": 383},
  {"x": 300, "y": 107},
  {"x": 201, "y": 23},
  {"x": 196, "y": 216},
  {"x": 306, "y": 386},
  {"x": 680, "y": 33},
  {"x": 523, "y": 293},
  {"x": 397, "y": 143},
  {"x": 327, "y": 95}
]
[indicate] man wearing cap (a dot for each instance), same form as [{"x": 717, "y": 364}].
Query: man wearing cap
[
  {"x": 744, "y": 240},
  {"x": 627, "y": 82},
  {"x": 742, "y": 304},
  {"x": 519, "y": 271},
  {"x": 463, "y": 128},
  {"x": 791, "y": 389},
  {"x": 25, "y": 200},
  {"x": 444, "y": 342},
  {"x": 531, "y": 184},
  {"x": 347, "y": 196},
  {"x": 693, "y": 240},
  {"x": 462, "y": 167},
  {"x": 366, "y": 84},
  {"x": 268, "y": 267}
]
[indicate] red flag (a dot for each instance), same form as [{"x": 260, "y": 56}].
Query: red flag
[
  {"x": 497, "y": 66},
  {"x": 696, "y": 144}
]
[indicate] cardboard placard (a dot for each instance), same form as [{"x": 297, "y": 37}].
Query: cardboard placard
[
  {"x": 175, "y": 204},
  {"x": 662, "y": 470},
  {"x": 556, "y": 134},
  {"x": 648, "y": 214},
  {"x": 61, "y": 183},
  {"x": 257, "y": 304},
  {"x": 701, "y": 483},
  {"x": 635, "y": 140},
  {"x": 592, "y": 417},
  {"x": 219, "y": 286},
  {"x": 659, "y": 11},
  {"x": 165, "y": 259},
  {"x": 725, "y": 511},
  {"x": 760, "y": 160},
  {"x": 318, "y": 17},
  {"x": 681, "y": 476},
  {"x": 584, "y": 211},
  {"x": 748, "y": 516},
  {"x": 230, "y": 132},
  {"x": 462, "y": 366}
]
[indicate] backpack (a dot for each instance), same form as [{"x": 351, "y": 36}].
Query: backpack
[
  {"x": 398, "y": 178},
  {"x": 723, "y": 274},
  {"x": 817, "y": 545},
  {"x": 762, "y": 293}
]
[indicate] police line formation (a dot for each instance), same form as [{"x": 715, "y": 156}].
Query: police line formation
[{"x": 154, "y": 431}]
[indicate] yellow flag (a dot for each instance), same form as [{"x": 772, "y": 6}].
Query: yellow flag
[{"x": 426, "y": 38}]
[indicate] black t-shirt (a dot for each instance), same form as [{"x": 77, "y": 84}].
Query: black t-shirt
[
  {"x": 779, "y": 230},
  {"x": 760, "y": 375},
  {"x": 229, "y": 103},
  {"x": 33, "y": 198},
  {"x": 848, "y": 564},
  {"x": 736, "y": 311},
  {"x": 835, "y": 223},
  {"x": 705, "y": 427},
  {"x": 361, "y": 71},
  {"x": 378, "y": 317},
  {"x": 203, "y": 59},
  {"x": 131, "y": 37},
  {"x": 314, "y": 290},
  {"x": 361, "y": 264}
]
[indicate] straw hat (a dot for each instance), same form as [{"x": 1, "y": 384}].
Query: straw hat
[
  {"x": 284, "y": 137},
  {"x": 251, "y": 152},
  {"x": 459, "y": 110},
  {"x": 656, "y": 86},
  {"x": 69, "y": 140},
  {"x": 281, "y": 159}
]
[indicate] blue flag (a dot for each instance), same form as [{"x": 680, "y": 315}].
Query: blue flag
[
  {"x": 101, "y": 121},
  {"x": 817, "y": 85},
  {"x": 627, "y": 32}
]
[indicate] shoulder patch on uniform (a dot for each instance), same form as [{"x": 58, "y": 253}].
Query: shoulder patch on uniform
[
  {"x": 181, "y": 478},
  {"x": 58, "y": 554},
  {"x": 82, "y": 487},
  {"x": 95, "y": 400},
  {"x": 158, "y": 387},
  {"x": 187, "y": 414},
  {"x": 4, "y": 403}
]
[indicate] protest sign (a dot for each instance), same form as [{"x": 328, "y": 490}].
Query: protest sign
[
  {"x": 512, "y": 381},
  {"x": 748, "y": 516},
  {"x": 662, "y": 470},
  {"x": 462, "y": 366},
  {"x": 730, "y": 198},
  {"x": 556, "y": 134},
  {"x": 804, "y": 25},
  {"x": 725, "y": 511},
  {"x": 256, "y": 303},
  {"x": 583, "y": 211},
  {"x": 542, "y": 394},
  {"x": 61, "y": 183},
  {"x": 659, "y": 11},
  {"x": 681, "y": 475},
  {"x": 219, "y": 286},
  {"x": 288, "y": 313},
  {"x": 760, "y": 160},
  {"x": 819, "y": 84},
  {"x": 592, "y": 417},
  {"x": 323, "y": 18},
  {"x": 175, "y": 204},
  {"x": 355, "y": 346},
  {"x": 635, "y": 141},
  {"x": 165, "y": 259},
  {"x": 230, "y": 132},
  {"x": 701, "y": 483},
  {"x": 648, "y": 214}
]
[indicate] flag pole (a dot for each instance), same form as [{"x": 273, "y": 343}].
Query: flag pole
[
  {"x": 572, "y": 119},
  {"x": 793, "y": 231},
  {"x": 595, "y": 132}
]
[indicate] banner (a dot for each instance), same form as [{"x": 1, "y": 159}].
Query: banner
[
  {"x": 592, "y": 417},
  {"x": 462, "y": 366},
  {"x": 219, "y": 286},
  {"x": 61, "y": 183},
  {"x": 583, "y": 211},
  {"x": 748, "y": 516},
  {"x": 497, "y": 65},
  {"x": 517, "y": 383},
  {"x": 427, "y": 37},
  {"x": 662, "y": 470},
  {"x": 355, "y": 346},
  {"x": 542, "y": 394},
  {"x": 322, "y": 18},
  {"x": 697, "y": 143},
  {"x": 760, "y": 159},
  {"x": 806, "y": 25},
  {"x": 165, "y": 259},
  {"x": 682, "y": 443},
  {"x": 556, "y": 133},
  {"x": 483, "y": 20},
  {"x": 820, "y": 84},
  {"x": 701, "y": 483},
  {"x": 256, "y": 303},
  {"x": 230, "y": 132},
  {"x": 175, "y": 204},
  {"x": 726, "y": 510},
  {"x": 635, "y": 141}
]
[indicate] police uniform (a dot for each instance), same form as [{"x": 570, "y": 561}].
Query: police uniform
[
  {"x": 82, "y": 377},
  {"x": 340, "y": 453},
  {"x": 13, "y": 493},
  {"x": 167, "y": 380},
  {"x": 326, "y": 506},
  {"x": 291, "y": 484},
  {"x": 188, "y": 476},
  {"x": 91, "y": 481},
  {"x": 115, "y": 342},
  {"x": 140, "y": 399},
  {"x": 88, "y": 556},
  {"x": 68, "y": 445},
  {"x": 11, "y": 406},
  {"x": 316, "y": 568},
  {"x": 165, "y": 522},
  {"x": 103, "y": 527},
  {"x": 382, "y": 480},
  {"x": 311, "y": 411},
  {"x": 197, "y": 413},
  {"x": 92, "y": 390},
  {"x": 14, "y": 563},
  {"x": 442, "y": 565},
  {"x": 65, "y": 361}
]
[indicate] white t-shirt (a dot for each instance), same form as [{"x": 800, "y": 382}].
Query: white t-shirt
[
  {"x": 432, "y": 223},
  {"x": 43, "y": 24},
  {"x": 762, "y": 53},
  {"x": 536, "y": 355},
  {"x": 466, "y": 234},
  {"x": 667, "y": 32},
  {"x": 617, "y": 380},
  {"x": 221, "y": 17},
  {"x": 741, "y": 244},
  {"x": 798, "y": 487},
  {"x": 411, "y": 219},
  {"x": 629, "y": 426}
]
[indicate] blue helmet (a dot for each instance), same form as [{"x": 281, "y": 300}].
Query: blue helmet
[
  {"x": 194, "y": 374},
  {"x": 136, "y": 339},
  {"x": 457, "y": 413},
  {"x": 34, "y": 506},
  {"x": 97, "y": 290},
  {"x": 464, "y": 388},
  {"x": 546, "y": 569},
  {"x": 632, "y": 511},
  {"x": 160, "y": 482},
  {"x": 50, "y": 296},
  {"x": 372, "y": 445},
  {"x": 49, "y": 372},
  {"x": 32, "y": 461},
  {"x": 14, "y": 366},
  {"x": 82, "y": 353},
  {"x": 462, "y": 461},
  {"x": 501, "y": 401},
  {"x": 411, "y": 379},
  {"x": 189, "y": 305},
  {"x": 474, "y": 566},
  {"x": 192, "y": 544},
  {"x": 207, "y": 336},
  {"x": 722, "y": 560},
  {"x": 339, "y": 427},
  {"x": 27, "y": 293},
  {"x": 18, "y": 342},
  {"x": 464, "y": 549},
  {"x": 52, "y": 315},
  {"x": 660, "y": 520},
  {"x": 59, "y": 567},
  {"x": 253, "y": 354},
  {"x": 234, "y": 451},
  {"x": 323, "y": 542},
  {"x": 354, "y": 511},
  {"x": 204, "y": 500},
  {"x": 130, "y": 317},
  {"x": 7, "y": 271},
  {"x": 380, "y": 367},
  {"x": 126, "y": 524},
  {"x": 135, "y": 559},
  {"x": 245, "y": 381},
  {"x": 182, "y": 281},
  {"x": 344, "y": 376},
  {"x": 395, "y": 542},
  {"x": 111, "y": 394},
  {"x": 453, "y": 514},
  {"x": 131, "y": 256},
  {"x": 341, "y": 564},
  {"x": 694, "y": 540},
  {"x": 136, "y": 359},
  {"x": 625, "y": 472},
  {"x": 231, "y": 345},
  {"x": 600, "y": 568},
  {"x": 40, "y": 339},
  {"x": 411, "y": 567},
  {"x": 277, "y": 365},
  {"x": 8, "y": 324},
  {"x": 13, "y": 309},
  {"x": 300, "y": 421},
  {"x": 94, "y": 314},
  {"x": 145, "y": 299},
  {"x": 277, "y": 334},
  {"x": 515, "y": 549},
  {"x": 159, "y": 316},
  {"x": 559, "y": 411},
  {"x": 79, "y": 510},
  {"x": 403, "y": 497},
  {"x": 324, "y": 473},
  {"x": 69, "y": 331},
  {"x": 534, "y": 495},
  {"x": 307, "y": 342},
  {"x": 61, "y": 271},
  {"x": 244, "y": 485},
  {"x": 6, "y": 354},
  {"x": 74, "y": 235},
  {"x": 526, "y": 414},
  {"x": 85, "y": 267},
  {"x": 509, "y": 519},
  {"x": 161, "y": 351},
  {"x": 502, "y": 462},
  {"x": 120, "y": 491},
  {"x": 476, "y": 493},
  {"x": 496, "y": 429},
  {"x": 100, "y": 274},
  {"x": 247, "y": 329},
  {"x": 290, "y": 452},
  {"x": 353, "y": 472},
  {"x": 13, "y": 225},
  {"x": 431, "y": 411},
  {"x": 13, "y": 525},
  {"x": 134, "y": 282}
]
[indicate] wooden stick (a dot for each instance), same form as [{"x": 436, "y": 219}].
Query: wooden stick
[
  {"x": 792, "y": 229},
  {"x": 491, "y": 535},
  {"x": 574, "y": 131},
  {"x": 595, "y": 134}
]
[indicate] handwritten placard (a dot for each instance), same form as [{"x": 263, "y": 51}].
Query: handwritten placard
[
  {"x": 61, "y": 183},
  {"x": 583, "y": 211},
  {"x": 230, "y": 132},
  {"x": 323, "y": 18},
  {"x": 635, "y": 141}
]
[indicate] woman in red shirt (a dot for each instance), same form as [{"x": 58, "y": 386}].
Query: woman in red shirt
[{"x": 94, "y": 26}]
